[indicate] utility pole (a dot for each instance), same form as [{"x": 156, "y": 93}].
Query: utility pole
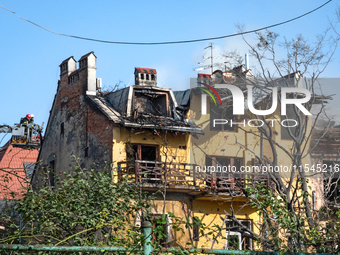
[{"x": 211, "y": 57}]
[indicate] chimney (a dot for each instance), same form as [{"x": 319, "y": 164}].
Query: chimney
[
  {"x": 246, "y": 62},
  {"x": 68, "y": 66},
  {"x": 145, "y": 76},
  {"x": 88, "y": 62}
]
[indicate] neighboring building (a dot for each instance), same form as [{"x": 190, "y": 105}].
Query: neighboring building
[
  {"x": 325, "y": 153},
  {"x": 16, "y": 168},
  {"x": 236, "y": 146},
  {"x": 144, "y": 129}
]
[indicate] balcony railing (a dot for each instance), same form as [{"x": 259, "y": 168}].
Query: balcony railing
[
  {"x": 168, "y": 173},
  {"x": 153, "y": 173}
]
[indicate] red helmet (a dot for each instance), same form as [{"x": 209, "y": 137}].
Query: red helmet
[{"x": 28, "y": 116}]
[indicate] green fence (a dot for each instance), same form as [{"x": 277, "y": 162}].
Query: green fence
[{"x": 146, "y": 249}]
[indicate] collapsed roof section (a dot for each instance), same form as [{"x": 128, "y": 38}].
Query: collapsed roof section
[{"x": 148, "y": 107}]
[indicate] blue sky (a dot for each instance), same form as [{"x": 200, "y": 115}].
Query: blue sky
[{"x": 30, "y": 56}]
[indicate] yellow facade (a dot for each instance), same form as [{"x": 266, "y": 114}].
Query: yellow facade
[{"x": 201, "y": 199}]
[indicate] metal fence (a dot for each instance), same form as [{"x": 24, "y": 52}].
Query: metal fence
[{"x": 146, "y": 249}]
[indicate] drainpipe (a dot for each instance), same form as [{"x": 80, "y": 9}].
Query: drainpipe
[{"x": 147, "y": 230}]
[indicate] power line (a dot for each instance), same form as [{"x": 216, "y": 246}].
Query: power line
[{"x": 170, "y": 42}]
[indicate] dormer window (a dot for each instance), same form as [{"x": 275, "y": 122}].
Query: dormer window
[
  {"x": 151, "y": 102},
  {"x": 152, "y": 77},
  {"x": 147, "y": 77},
  {"x": 142, "y": 76}
]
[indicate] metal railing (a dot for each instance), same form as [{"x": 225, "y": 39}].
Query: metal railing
[
  {"x": 146, "y": 248},
  {"x": 186, "y": 174}
]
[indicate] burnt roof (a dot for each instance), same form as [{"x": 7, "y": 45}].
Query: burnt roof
[
  {"x": 115, "y": 107},
  {"x": 183, "y": 97}
]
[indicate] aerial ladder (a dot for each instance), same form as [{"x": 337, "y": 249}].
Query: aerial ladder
[{"x": 24, "y": 134}]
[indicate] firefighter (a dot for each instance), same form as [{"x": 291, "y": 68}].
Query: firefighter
[{"x": 27, "y": 120}]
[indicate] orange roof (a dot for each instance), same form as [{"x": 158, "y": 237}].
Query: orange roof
[
  {"x": 12, "y": 173},
  {"x": 204, "y": 76},
  {"x": 145, "y": 70}
]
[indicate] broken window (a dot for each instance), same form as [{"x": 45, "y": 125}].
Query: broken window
[
  {"x": 151, "y": 103},
  {"x": 145, "y": 152},
  {"x": 142, "y": 76},
  {"x": 147, "y": 155}
]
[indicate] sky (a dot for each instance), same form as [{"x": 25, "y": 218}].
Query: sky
[{"x": 30, "y": 56}]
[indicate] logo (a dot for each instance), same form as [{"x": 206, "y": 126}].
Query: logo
[
  {"x": 208, "y": 92},
  {"x": 239, "y": 101}
]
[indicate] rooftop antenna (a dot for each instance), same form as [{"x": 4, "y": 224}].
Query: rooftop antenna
[{"x": 211, "y": 56}]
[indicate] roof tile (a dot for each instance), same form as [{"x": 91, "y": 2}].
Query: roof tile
[{"x": 12, "y": 173}]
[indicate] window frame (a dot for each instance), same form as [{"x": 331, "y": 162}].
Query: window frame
[{"x": 241, "y": 237}]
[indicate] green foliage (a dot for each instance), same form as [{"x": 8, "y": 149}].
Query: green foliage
[
  {"x": 287, "y": 230},
  {"x": 90, "y": 208},
  {"x": 86, "y": 207}
]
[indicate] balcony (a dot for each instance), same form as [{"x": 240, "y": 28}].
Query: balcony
[{"x": 183, "y": 177}]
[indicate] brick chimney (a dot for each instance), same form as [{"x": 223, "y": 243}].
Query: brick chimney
[
  {"x": 68, "y": 66},
  {"x": 88, "y": 62},
  {"x": 145, "y": 76}
]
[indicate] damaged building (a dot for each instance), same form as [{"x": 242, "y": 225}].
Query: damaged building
[
  {"x": 143, "y": 129},
  {"x": 97, "y": 127},
  {"x": 156, "y": 136}
]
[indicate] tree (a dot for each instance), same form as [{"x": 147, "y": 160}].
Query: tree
[
  {"x": 83, "y": 208},
  {"x": 289, "y": 222},
  {"x": 88, "y": 207}
]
